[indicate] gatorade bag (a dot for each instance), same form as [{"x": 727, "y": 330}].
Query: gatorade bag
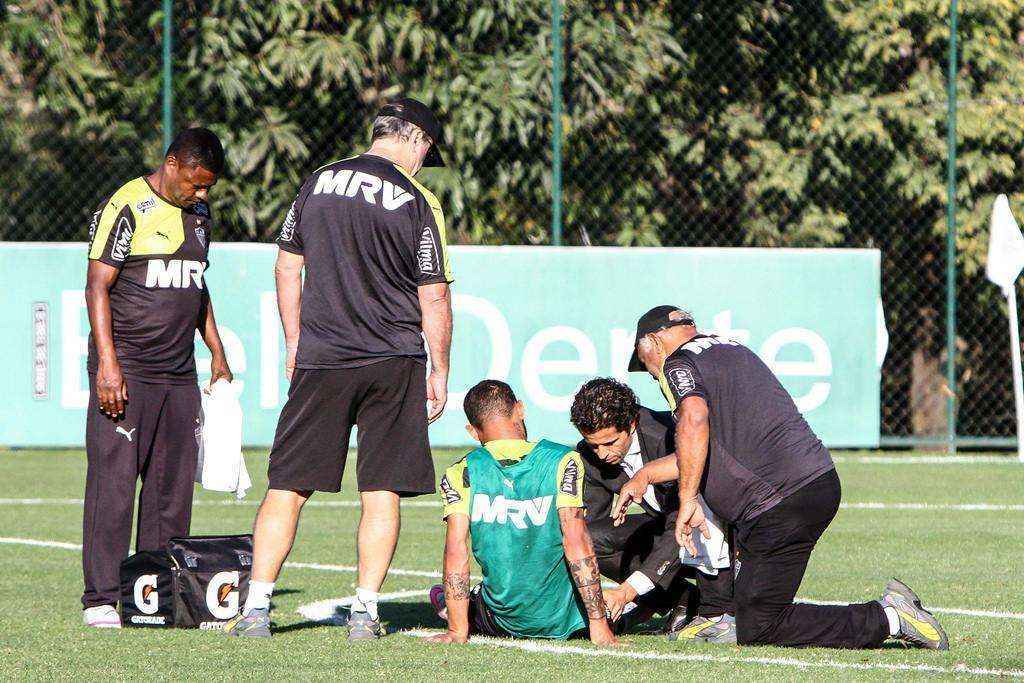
[
  {"x": 210, "y": 579},
  {"x": 198, "y": 582},
  {"x": 146, "y": 598}
]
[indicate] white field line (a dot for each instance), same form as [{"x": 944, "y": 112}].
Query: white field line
[
  {"x": 42, "y": 544},
  {"x": 352, "y": 569},
  {"x": 344, "y": 568},
  {"x": 221, "y": 503},
  {"x": 294, "y": 565},
  {"x": 926, "y": 459},
  {"x": 959, "y": 507},
  {"x": 939, "y": 610},
  {"x": 535, "y": 646}
]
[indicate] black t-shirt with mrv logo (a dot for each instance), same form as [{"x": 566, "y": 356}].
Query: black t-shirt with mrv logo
[
  {"x": 370, "y": 235},
  {"x": 155, "y": 302},
  {"x": 761, "y": 448}
]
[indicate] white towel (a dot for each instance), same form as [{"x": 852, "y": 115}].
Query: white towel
[
  {"x": 221, "y": 466},
  {"x": 712, "y": 553}
]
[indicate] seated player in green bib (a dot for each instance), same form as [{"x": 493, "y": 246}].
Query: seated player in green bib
[{"x": 520, "y": 503}]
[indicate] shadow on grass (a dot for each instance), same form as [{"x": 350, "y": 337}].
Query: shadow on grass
[
  {"x": 401, "y": 616},
  {"x": 404, "y": 616},
  {"x": 397, "y": 616}
]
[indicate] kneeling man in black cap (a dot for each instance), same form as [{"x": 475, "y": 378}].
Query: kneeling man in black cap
[{"x": 742, "y": 444}]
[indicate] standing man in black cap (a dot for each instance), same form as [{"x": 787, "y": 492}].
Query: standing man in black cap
[
  {"x": 742, "y": 444},
  {"x": 372, "y": 242}
]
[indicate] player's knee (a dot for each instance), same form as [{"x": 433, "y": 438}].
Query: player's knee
[
  {"x": 280, "y": 500},
  {"x": 380, "y": 506},
  {"x": 746, "y": 634},
  {"x": 752, "y": 625}
]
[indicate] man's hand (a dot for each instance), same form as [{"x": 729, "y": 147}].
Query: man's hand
[
  {"x": 219, "y": 369},
  {"x": 111, "y": 390},
  {"x": 631, "y": 492},
  {"x": 437, "y": 395},
  {"x": 289, "y": 361},
  {"x": 601, "y": 634},
  {"x": 616, "y": 599},
  {"x": 448, "y": 638},
  {"x": 436, "y": 310},
  {"x": 691, "y": 517}
]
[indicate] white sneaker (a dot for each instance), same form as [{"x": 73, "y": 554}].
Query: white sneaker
[{"x": 104, "y": 616}]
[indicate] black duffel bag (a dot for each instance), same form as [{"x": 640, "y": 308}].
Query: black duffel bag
[
  {"x": 146, "y": 595},
  {"x": 210, "y": 579},
  {"x": 198, "y": 582}
]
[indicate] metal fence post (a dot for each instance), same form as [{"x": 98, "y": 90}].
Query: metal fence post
[
  {"x": 168, "y": 94},
  {"x": 951, "y": 117},
  {"x": 556, "y": 122}
]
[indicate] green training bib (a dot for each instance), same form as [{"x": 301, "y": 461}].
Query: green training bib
[{"x": 517, "y": 540}]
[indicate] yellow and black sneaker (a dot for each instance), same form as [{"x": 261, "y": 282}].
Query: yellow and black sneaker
[
  {"x": 255, "y": 624},
  {"x": 917, "y": 625},
  {"x": 719, "y": 630}
]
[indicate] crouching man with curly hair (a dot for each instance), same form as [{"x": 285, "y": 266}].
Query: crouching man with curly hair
[{"x": 623, "y": 446}]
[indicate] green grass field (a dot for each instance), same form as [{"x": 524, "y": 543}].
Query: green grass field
[{"x": 957, "y": 556}]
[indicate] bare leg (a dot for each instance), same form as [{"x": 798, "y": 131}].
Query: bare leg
[
  {"x": 274, "y": 531},
  {"x": 378, "y": 536}
]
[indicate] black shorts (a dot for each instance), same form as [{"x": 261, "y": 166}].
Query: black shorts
[
  {"x": 386, "y": 401},
  {"x": 483, "y": 623},
  {"x": 481, "y": 620}
]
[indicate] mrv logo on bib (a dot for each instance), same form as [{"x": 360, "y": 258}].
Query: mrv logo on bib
[{"x": 518, "y": 513}]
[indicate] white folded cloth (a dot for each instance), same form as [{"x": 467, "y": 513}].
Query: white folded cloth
[
  {"x": 712, "y": 553},
  {"x": 221, "y": 466}
]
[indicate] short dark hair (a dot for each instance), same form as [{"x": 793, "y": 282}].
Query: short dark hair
[
  {"x": 198, "y": 147},
  {"x": 488, "y": 398},
  {"x": 604, "y": 402}
]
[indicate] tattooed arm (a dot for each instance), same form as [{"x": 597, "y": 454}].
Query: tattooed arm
[
  {"x": 579, "y": 552},
  {"x": 456, "y": 579}
]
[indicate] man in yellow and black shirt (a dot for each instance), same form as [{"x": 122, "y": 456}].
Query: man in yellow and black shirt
[{"x": 146, "y": 297}]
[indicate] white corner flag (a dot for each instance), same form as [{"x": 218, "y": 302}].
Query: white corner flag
[{"x": 1005, "y": 262}]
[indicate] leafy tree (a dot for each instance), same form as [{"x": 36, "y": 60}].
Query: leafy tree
[{"x": 687, "y": 122}]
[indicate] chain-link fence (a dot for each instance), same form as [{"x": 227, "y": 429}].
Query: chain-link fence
[{"x": 684, "y": 123}]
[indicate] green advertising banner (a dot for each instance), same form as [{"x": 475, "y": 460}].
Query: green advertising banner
[{"x": 545, "y": 319}]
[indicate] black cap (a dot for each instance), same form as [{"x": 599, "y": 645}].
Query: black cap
[
  {"x": 654, "y": 320},
  {"x": 418, "y": 114}
]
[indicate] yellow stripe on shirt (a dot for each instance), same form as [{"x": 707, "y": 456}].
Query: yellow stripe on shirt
[{"x": 435, "y": 208}]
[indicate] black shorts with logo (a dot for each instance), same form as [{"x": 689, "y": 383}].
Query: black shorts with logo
[{"x": 386, "y": 401}]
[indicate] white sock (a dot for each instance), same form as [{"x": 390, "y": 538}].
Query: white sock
[
  {"x": 894, "y": 620},
  {"x": 259, "y": 596},
  {"x": 366, "y": 601}
]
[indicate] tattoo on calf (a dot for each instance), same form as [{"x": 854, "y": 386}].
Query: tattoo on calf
[
  {"x": 456, "y": 586},
  {"x": 588, "y": 580}
]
